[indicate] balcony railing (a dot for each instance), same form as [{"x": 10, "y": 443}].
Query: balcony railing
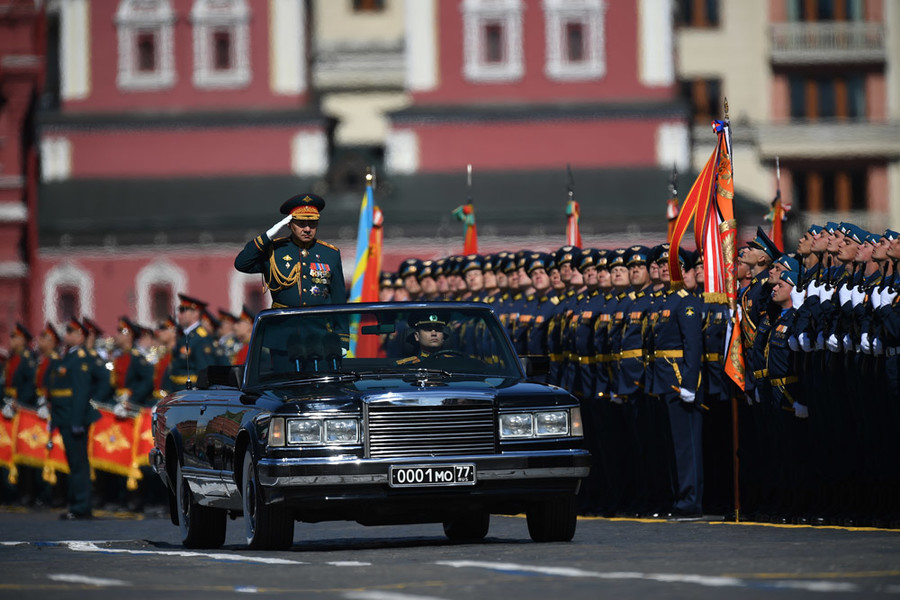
[
  {"x": 831, "y": 42},
  {"x": 830, "y": 140}
]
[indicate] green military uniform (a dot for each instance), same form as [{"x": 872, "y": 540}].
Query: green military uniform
[
  {"x": 71, "y": 387},
  {"x": 194, "y": 350},
  {"x": 296, "y": 273}
]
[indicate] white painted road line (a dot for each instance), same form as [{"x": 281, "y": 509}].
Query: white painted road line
[
  {"x": 376, "y": 595},
  {"x": 96, "y": 581},
  {"x": 703, "y": 580},
  {"x": 92, "y": 547}
]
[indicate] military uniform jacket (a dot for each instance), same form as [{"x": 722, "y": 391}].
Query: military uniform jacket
[
  {"x": 71, "y": 386},
  {"x": 715, "y": 327},
  {"x": 602, "y": 348},
  {"x": 192, "y": 353},
  {"x": 677, "y": 344},
  {"x": 295, "y": 276},
  {"x": 133, "y": 375},
  {"x": 631, "y": 354},
  {"x": 780, "y": 363},
  {"x": 18, "y": 380}
]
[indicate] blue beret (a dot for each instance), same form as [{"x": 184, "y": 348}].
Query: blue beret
[
  {"x": 890, "y": 234},
  {"x": 831, "y": 226},
  {"x": 792, "y": 277},
  {"x": 791, "y": 263},
  {"x": 815, "y": 229}
]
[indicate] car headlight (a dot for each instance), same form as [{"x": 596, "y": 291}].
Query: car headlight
[
  {"x": 341, "y": 431},
  {"x": 304, "y": 431},
  {"x": 516, "y": 425},
  {"x": 551, "y": 423},
  {"x": 542, "y": 423}
]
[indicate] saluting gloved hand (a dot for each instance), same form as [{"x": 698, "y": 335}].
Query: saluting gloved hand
[
  {"x": 801, "y": 411},
  {"x": 274, "y": 229},
  {"x": 833, "y": 343},
  {"x": 793, "y": 344},
  {"x": 857, "y": 295},
  {"x": 805, "y": 343},
  {"x": 864, "y": 344},
  {"x": 877, "y": 347},
  {"x": 844, "y": 294},
  {"x": 798, "y": 297},
  {"x": 687, "y": 395}
]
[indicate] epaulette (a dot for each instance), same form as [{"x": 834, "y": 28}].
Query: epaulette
[
  {"x": 631, "y": 295},
  {"x": 81, "y": 353},
  {"x": 202, "y": 332},
  {"x": 135, "y": 352},
  {"x": 281, "y": 240},
  {"x": 554, "y": 299},
  {"x": 518, "y": 296},
  {"x": 408, "y": 359},
  {"x": 683, "y": 293},
  {"x": 327, "y": 245},
  {"x": 93, "y": 352},
  {"x": 26, "y": 353},
  {"x": 530, "y": 297}
]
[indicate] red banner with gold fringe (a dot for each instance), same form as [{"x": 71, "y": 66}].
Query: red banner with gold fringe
[
  {"x": 8, "y": 448},
  {"x": 31, "y": 439},
  {"x": 111, "y": 446},
  {"x": 55, "y": 459}
]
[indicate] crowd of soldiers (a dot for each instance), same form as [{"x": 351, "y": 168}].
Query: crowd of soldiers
[
  {"x": 807, "y": 439},
  {"x": 68, "y": 379}
]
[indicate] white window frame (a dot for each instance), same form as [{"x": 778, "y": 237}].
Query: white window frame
[
  {"x": 145, "y": 16},
  {"x": 159, "y": 272},
  {"x": 478, "y": 13},
  {"x": 68, "y": 274},
  {"x": 590, "y": 13},
  {"x": 209, "y": 16}
]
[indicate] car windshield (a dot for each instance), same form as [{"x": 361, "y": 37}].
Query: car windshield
[{"x": 377, "y": 340}]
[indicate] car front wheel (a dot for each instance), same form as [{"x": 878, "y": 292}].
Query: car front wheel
[
  {"x": 553, "y": 520},
  {"x": 267, "y": 527},
  {"x": 201, "y": 526}
]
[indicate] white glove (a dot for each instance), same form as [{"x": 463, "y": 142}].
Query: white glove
[
  {"x": 877, "y": 347},
  {"x": 844, "y": 294},
  {"x": 9, "y": 411},
  {"x": 812, "y": 289},
  {"x": 123, "y": 397},
  {"x": 875, "y": 299},
  {"x": 848, "y": 343},
  {"x": 805, "y": 342},
  {"x": 798, "y": 297},
  {"x": 833, "y": 343},
  {"x": 274, "y": 229},
  {"x": 864, "y": 344},
  {"x": 120, "y": 410},
  {"x": 857, "y": 295},
  {"x": 887, "y": 297},
  {"x": 826, "y": 292},
  {"x": 616, "y": 399},
  {"x": 793, "y": 344},
  {"x": 800, "y": 411},
  {"x": 687, "y": 395},
  {"x": 820, "y": 341},
  {"x": 42, "y": 400},
  {"x": 43, "y": 412}
]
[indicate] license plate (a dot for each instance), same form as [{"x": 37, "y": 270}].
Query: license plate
[{"x": 431, "y": 475}]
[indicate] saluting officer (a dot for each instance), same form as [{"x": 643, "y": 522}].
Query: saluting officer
[
  {"x": 299, "y": 270},
  {"x": 71, "y": 387}
]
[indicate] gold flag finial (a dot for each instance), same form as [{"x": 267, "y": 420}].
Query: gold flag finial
[{"x": 726, "y": 108}]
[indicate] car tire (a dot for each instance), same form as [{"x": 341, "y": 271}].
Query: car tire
[
  {"x": 553, "y": 520},
  {"x": 469, "y": 528},
  {"x": 267, "y": 527},
  {"x": 201, "y": 526}
]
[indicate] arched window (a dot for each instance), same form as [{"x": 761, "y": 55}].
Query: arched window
[
  {"x": 146, "y": 44},
  {"x": 221, "y": 43},
  {"x": 245, "y": 288},
  {"x": 493, "y": 40},
  {"x": 156, "y": 287},
  {"x": 68, "y": 293},
  {"x": 575, "y": 39}
]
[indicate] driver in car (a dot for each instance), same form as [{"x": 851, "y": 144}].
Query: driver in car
[{"x": 429, "y": 333}]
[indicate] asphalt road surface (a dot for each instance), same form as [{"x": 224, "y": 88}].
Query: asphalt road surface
[{"x": 127, "y": 556}]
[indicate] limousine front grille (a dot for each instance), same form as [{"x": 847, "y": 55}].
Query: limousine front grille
[{"x": 408, "y": 431}]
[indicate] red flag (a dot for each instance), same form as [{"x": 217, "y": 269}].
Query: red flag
[
  {"x": 31, "y": 438},
  {"x": 8, "y": 448},
  {"x": 573, "y": 233},
  {"x": 55, "y": 458},
  {"x": 111, "y": 446}
]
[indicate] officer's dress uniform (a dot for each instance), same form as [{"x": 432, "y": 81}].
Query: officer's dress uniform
[
  {"x": 295, "y": 275},
  {"x": 19, "y": 389},
  {"x": 192, "y": 353},
  {"x": 677, "y": 352},
  {"x": 71, "y": 387}
]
